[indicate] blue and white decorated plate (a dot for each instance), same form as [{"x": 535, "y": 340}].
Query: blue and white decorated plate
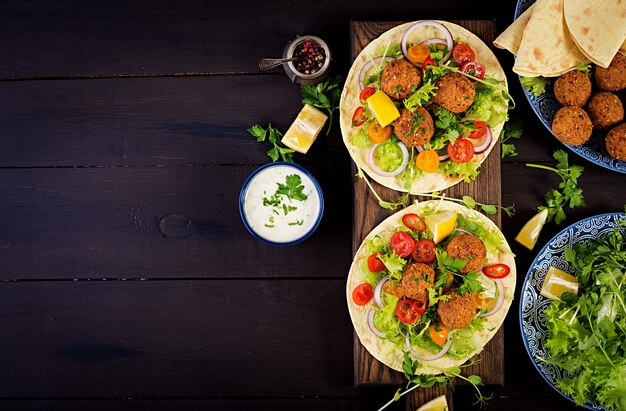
[
  {"x": 532, "y": 305},
  {"x": 546, "y": 106}
]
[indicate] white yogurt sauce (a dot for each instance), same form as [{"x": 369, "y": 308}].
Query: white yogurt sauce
[{"x": 270, "y": 221}]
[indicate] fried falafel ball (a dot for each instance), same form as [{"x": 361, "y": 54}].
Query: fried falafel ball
[
  {"x": 572, "y": 88},
  {"x": 615, "y": 142},
  {"x": 612, "y": 78},
  {"x": 394, "y": 288},
  {"x": 572, "y": 125},
  {"x": 455, "y": 92},
  {"x": 417, "y": 279},
  {"x": 398, "y": 78},
  {"x": 414, "y": 128},
  {"x": 458, "y": 311},
  {"x": 469, "y": 248},
  {"x": 605, "y": 110}
]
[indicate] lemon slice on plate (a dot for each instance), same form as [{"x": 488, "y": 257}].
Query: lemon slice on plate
[
  {"x": 304, "y": 129},
  {"x": 438, "y": 404},
  {"x": 441, "y": 224},
  {"x": 529, "y": 234},
  {"x": 558, "y": 282}
]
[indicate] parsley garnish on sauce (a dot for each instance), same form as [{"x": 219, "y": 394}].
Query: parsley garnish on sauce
[{"x": 292, "y": 189}]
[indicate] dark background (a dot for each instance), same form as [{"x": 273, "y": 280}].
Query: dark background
[{"x": 127, "y": 280}]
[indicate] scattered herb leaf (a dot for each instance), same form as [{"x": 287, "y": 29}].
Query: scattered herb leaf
[
  {"x": 535, "y": 85},
  {"x": 512, "y": 131},
  {"x": 325, "y": 95},
  {"x": 274, "y": 136}
]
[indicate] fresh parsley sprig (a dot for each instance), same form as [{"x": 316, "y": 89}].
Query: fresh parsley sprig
[
  {"x": 273, "y": 135},
  {"x": 512, "y": 131},
  {"x": 292, "y": 188},
  {"x": 569, "y": 193},
  {"x": 325, "y": 95}
]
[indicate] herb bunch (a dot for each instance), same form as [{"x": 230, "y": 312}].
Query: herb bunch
[
  {"x": 273, "y": 135},
  {"x": 325, "y": 95}
]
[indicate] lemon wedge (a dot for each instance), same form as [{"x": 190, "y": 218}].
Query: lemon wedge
[
  {"x": 529, "y": 234},
  {"x": 558, "y": 282},
  {"x": 438, "y": 404},
  {"x": 304, "y": 130},
  {"x": 441, "y": 224}
]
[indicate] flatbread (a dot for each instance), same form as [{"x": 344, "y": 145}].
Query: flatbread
[
  {"x": 429, "y": 182},
  {"x": 598, "y": 28},
  {"x": 511, "y": 38},
  {"x": 358, "y": 314},
  {"x": 547, "y": 48}
]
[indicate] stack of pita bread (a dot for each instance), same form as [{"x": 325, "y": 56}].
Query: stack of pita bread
[{"x": 553, "y": 37}]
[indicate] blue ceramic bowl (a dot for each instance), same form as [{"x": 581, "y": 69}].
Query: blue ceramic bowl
[{"x": 315, "y": 189}]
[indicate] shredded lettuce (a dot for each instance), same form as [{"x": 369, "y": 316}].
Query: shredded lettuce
[
  {"x": 468, "y": 170},
  {"x": 410, "y": 174},
  {"x": 492, "y": 238},
  {"x": 394, "y": 265},
  {"x": 535, "y": 85},
  {"x": 491, "y": 103},
  {"x": 388, "y": 155},
  {"x": 422, "y": 96},
  {"x": 467, "y": 339},
  {"x": 361, "y": 139}
]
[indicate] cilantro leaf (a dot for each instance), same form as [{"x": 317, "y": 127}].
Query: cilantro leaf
[
  {"x": 512, "y": 131},
  {"x": 258, "y": 132},
  {"x": 274, "y": 136},
  {"x": 325, "y": 95},
  {"x": 292, "y": 188},
  {"x": 535, "y": 85}
]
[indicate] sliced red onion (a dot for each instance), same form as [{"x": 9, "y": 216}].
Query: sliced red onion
[
  {"x": 419, "y": 149},
  {"x": 370, "y": 322},
  {"x": 433, "y": 357},
  {"x": 463, "y": 230},
  {"x": 499, "y": 302},
  {"x": 367, "y": 66},
  {"x": 482, "y": 144},
  {"x": 405, "y": 160},
  {"x": 449, "y": 40},
  {"x": 444, "y": 157},
  {"x": 378, "y": 289}
]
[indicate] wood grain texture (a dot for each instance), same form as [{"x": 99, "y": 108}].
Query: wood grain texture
[{"x": 367, "y": 214}]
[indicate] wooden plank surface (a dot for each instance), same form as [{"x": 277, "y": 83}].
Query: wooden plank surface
[{"x": 367, "y": 214}]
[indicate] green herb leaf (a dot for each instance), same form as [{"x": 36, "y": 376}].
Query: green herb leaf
[
  {"x": 274, "y": 136},
  {"x": 292, "y": 188},
  {"x": 535, "y": 85},
  {"x": 512, "y": 131},
  {"x": 325, "y": 95},
  {"x": 258, "y": 132}
]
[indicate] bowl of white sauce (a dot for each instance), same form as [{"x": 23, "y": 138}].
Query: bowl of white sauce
[{"x": 281, "y": 204}]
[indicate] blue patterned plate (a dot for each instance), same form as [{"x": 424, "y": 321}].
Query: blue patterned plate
[
  {"x": 532, "y": 305},
  {"x": 546, "y": 106}
]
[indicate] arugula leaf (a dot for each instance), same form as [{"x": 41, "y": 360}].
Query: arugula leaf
[
  {"x": 274, "y": 136},
  {"x": 535, "y": 85},
  {"x": 512, "y": 131},
  {"x": 292, "y": 188},
  {"x": 325, "y": 95}
]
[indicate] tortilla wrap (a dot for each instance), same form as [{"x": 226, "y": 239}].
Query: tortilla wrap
[
  {"x": 597, "y": 28},
  {"x": 429, "y": 182},
  {"x": 547, "y": 48},
  {"x": 358, "y": 314},
  {"x": 511, "y": 38}
]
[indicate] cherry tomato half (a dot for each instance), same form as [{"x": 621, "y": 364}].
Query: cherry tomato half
[
  {"x": 424, "y": 251},
  {"x": 439, "y": 333},
  {"x": 479, "y": 131},
  {"x": 414, "y": 222},
  {"x": 474, "y": 68},
  {"x": 362, "y": 294},
  {"x": 418, "y": 53},
  {"x": 358, "y": 118},
  {"x": 419, "y": 306},
  {"x": 462, "y": 53},
  {"x": 374, "y": 264},
  {"x": 405, "y": 312},
  {"x": 428, "y": 61},
  {"x": 366, "y": 93},
  {"x": 461, "y": 151},
  {"x": 377, "y": 133},
  {"x": 427, "y": 161},
  {"x": 402, "y": 244},
  {"x": 496, "y": 270}
]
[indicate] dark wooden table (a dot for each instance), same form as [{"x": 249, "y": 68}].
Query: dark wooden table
[{"x": 128, "y": 279}]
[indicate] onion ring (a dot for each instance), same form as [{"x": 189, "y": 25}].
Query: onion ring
[
  {"x": 367, "y": 66},
  {"x": 463, "y": 230},
  {"x": 449, "y": 40},
  {"x": 499, "y": 302},
  {"x": 433, "y": 357},
  {"x": 370, "y": 322},
  {"x": 378, "y": 289},
  {"x": 482, "y": 143},
  {"x": 377, "y": 170}
]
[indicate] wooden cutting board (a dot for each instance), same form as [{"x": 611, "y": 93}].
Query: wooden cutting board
[{"x": 368, "y": 214}]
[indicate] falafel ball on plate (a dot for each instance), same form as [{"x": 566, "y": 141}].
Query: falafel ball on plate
[
  {"x": 572, "y": 125},
  {"x": 572, "y": 88},
  {"x": 398, "y": 78},
  {"x": 458, "y": 311},
  {"x": 417, "y": 279},
  {"x": 414, "y": 128},
  {"x": 605, "y": 110},
  {"x": 469, "y": 248},
  {"x": 455, "y": 92},
  {"x": 391, "y": 287},
  {"x": 615, "y": 142},
  {"x": 612, "y": 78}
]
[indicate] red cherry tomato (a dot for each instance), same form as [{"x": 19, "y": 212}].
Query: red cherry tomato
[
  {"x": 374, "y": 264},
  {"x": 461, "y": 151},
  {"x": 424, "y": 251},
  {"x": 462, "y": 53},
  {"x": 419, "y": 307},
  {"x": 402, "y": 244},
  {"x": 428, "y": 61},
  {"x": 414, "y": 222},
  {"x": 366, "y": 92},
  {"x": 439, "y": 333},
  {"x": 362, "y": 294},
  {"x": 358, "y": 118},
  {"x": 474, "y": 68},
  {"x": 405, "y": 312},
  {"x": 496, "y": 270},
  {"x": 479, "y": 131}
]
